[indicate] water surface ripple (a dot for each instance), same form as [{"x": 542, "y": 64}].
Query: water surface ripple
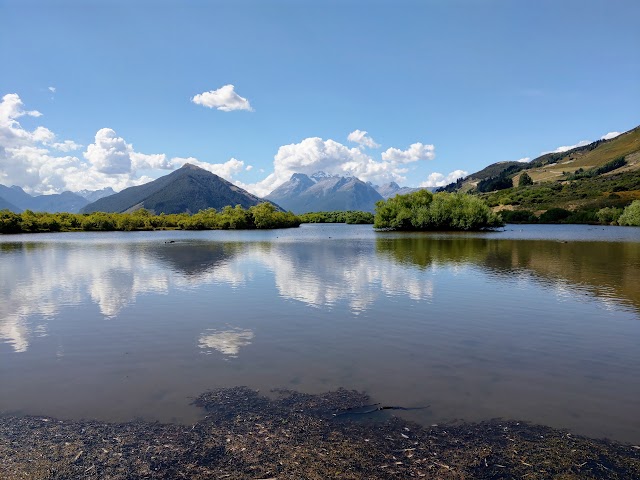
[{"x": 538, "y": 323}]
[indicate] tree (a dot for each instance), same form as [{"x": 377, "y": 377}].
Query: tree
[
  {"x": 631, "y": 215},
  {"x": 525, "y": 179}
]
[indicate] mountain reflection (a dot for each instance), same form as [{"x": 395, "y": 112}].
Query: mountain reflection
[
  {"x": 607, "y": 270},
  {"x": 39, "y": 280}
]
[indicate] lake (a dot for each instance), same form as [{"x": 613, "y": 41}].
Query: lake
[{"x": 535, "y": 322}]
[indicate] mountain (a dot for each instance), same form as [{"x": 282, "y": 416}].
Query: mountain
[
  {"x": 6, "y": 205},
  {"x": 321, "y": 192},
  {"x": 188, "y": 189},
  {"x": 559, "y": 166},
  {"x": 93, "y": 195},
  {"x": 392, "y": 189},
  {"x": 583, "y": 180},
  {"x": 59, "y": 202}
]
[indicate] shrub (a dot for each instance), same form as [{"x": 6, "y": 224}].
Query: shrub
[
  {"x": 422, "y": 210},
  {"x": 609, "y": 215},
  {"x": 631, "y": 215},
  {"x": 554, "y": 215}
]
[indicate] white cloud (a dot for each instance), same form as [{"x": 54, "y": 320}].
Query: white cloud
[
  {"x": 52, "y": 89},
  {"x": 523, "y": 160},
  {"x": 610, "y": 135},
  {"x": 224, "y": 98},
  {"x": 43, "y": 135},
  {"x": 11, "y": 109},
  {"x": 109, "y": 154},
  {"x": 316, "y": 154},
  {"x": 414, "y": 153},
  {"x": 361, "y": 138},
  {"x": 566, "y": 148},
  {"x": 67, "y": 146},
  {"x": 248, "y": 168},
  {"x": 439, "y": 180},
  {"x": 31, "y": 159}
]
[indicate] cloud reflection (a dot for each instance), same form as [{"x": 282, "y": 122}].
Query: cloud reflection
[
  {"x": 39, "y": 281},
  {"x": 227, "y": 342}
]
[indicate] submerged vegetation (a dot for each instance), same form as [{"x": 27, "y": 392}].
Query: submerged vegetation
[
  {"x": 262, "y": 216},
  {"x": 296, "y": 435},
  {"x": 423, "y": 210}
]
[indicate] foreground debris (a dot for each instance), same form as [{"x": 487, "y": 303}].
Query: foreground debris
[{"x": 249, "y": 436}]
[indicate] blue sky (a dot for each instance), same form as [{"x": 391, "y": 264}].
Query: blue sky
[{"x": 440, "y": 87}]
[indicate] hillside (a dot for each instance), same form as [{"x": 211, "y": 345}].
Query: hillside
[
  {"x": 605, "y": 173},
  {"x": 321, "y": 193},
  {"x": 560, "y": 165},
  {"x": 188, "y": 189}
]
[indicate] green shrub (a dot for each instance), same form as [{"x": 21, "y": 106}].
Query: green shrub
[
  {"x": 609, "y": 215},
  {"x": 554, "y": 215},
  {"x": 631, "y": 215},
  {"x": 422, "y": 210},
  {"x": 518, "y": 216}
]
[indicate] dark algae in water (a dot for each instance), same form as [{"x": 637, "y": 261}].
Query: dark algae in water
[{"x": 246, "y": 435}]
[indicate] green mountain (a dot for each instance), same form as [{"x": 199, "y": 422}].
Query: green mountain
[
  {"x": 188, "y": 189},
  {"x": 605, "y": 173}
]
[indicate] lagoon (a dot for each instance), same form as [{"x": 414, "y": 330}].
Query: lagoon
[{"x": 533, "y": 322}]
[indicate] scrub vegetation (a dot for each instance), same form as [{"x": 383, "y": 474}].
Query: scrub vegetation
[
  {"x": 262, "y": 216},
  {"x": 423, "y": 210}
]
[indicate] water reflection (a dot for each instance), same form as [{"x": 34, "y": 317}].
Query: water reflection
[
  {"x": 38, "y": 280},
  {"x": 609, "y": 271},
  {"x": 227, "y": 342},
  {"x": 478, "y": 326}
]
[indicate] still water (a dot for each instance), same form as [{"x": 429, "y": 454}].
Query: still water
[{"x": 538, "y": 323}]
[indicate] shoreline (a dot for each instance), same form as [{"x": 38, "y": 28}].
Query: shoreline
[{"x": 296, "y": 435}]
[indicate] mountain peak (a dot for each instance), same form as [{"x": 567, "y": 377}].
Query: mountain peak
[
  {"x": 322, "y": 175},
  {"x": 190, "y": 166}
]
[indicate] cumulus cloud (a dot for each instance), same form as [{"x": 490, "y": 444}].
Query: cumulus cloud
[
  {"x": 523, "y": 159},
  {"x": 32, "y": 158},
  {"x": 439, "y": 180},
  {"x": 52, "y": 89},
  {"x": 315, "y": 154},
  {"x": 67, "y": 146},
  {"x": 414, "y": 153},
  {"x": 110, "y": 153},
  {"x": 224, "y": 98},
  {"x": 610, "y": 135},
  {"x": 361, "y": 138}
]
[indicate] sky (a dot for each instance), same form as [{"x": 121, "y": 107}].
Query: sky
[{"x": 117, "y": 93}]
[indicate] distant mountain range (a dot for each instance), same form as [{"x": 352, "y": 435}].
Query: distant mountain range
[
  {"x": 17, "y": 200},
  {"x": 321, "y": 192},
  {"x": 188, "y": 189},
  {"x": 93, "y": 195},
  {"x": 392, "y": 189}
]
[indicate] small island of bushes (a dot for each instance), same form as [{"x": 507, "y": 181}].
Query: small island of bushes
[{"x": 423, "y": 210}]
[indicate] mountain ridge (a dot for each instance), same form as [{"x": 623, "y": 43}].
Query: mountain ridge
[
  {"x": 321, "y": 192},
  {"x": 188, "y": 189}
]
